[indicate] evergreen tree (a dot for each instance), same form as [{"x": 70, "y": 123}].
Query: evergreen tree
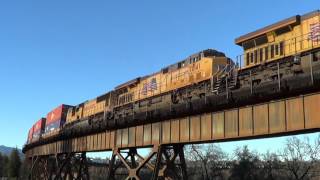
[
  {"x": 5, "y": 166},
  {"x": 14, "y": 163},
  {"x": 1, "y": 165}
]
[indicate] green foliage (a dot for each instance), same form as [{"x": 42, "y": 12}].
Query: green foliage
[
  {"x": 1, "y": 165},
  {"x": 14, "y": 164},
  {"x": 246, "y": 165},
  {"x": 5, "y": 166}
]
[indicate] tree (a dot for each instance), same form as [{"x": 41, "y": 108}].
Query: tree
[
  {"x": 209, "y": 159},
  {"x": 1, "y": 166},
  {"x": 14, "y": 163},
  {"x": 301, "y": 157},
  {"x": 246, "y": 166},
  {"x": 5, "y": 167},
  {"x": 272, "y": 167}
]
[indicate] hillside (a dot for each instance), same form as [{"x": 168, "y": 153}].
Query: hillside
[{"x": 7, "y": 150}]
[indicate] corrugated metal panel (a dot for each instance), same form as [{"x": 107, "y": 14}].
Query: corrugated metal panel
[
  {"x": 218, "y": 125},
  {"x": 206, "y": 127},
  {"x": 195, "y": 128},
  {"x": 231, "y": 123},
  {"x": 147, "y": 134},
  {"x": 312, "y": 107},
  {"x": 260, "y": 117},
  {"x": 294, "y": 114},
  {"x": 166, "y": 132},
  {"x": 175, "y": 130},
  {"x": 184, "y": 129},
  {"x": 277, "y": 117},
  {"x": 245, "y": 121}
]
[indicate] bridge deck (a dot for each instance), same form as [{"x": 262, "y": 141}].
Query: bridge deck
[{"x": 274, "y": 118}]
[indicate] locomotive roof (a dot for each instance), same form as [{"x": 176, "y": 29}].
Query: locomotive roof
[
  {"x": 294, "y": 20},
  {"x": 203, "y": 53}
]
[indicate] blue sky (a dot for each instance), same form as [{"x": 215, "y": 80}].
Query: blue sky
[{"x": 54, "y": 52}]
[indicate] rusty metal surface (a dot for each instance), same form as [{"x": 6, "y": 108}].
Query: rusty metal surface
[
  {"x": 195, "y": 128},
  {"x": 218, "y": 125},
  {"x": 311, "y": 111},
  {"x": 125, "y": 133},
  {"x": 166, "y": 129},
  {"x": 147, "y": 134},
  {"x": 231, "y": 123},
  {"x": 245, "y": 121},
  {"x": 184, "y": 129},
  {"x": 132, "y": 137},
  {"x": 260, "y": 119},
  {"x": 156, "y": 130},
  {"x": 175, "y": 130},
  {"x": 139, "y": 135},
  {"x": 294, "y": 114},
  {"x": 277, "y": 117},
  {"x": 206, "y": 124},
  {"x": 284, "y": 116}
]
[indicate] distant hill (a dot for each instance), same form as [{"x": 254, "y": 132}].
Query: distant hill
[{"x": 7, "y": 150}]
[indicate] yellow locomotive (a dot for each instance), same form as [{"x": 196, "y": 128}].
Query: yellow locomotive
[
  {"x": 149, "y": 93},
  {"x": 289, "y": 37}
]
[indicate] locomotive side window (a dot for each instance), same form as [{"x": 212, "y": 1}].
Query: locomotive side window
[
  {"x": 266, "y": 53},
  {"x": 277, "y": 49},
  {"x": 255, "y": 56},
  {"x": 272, "y": 51},
  {"x": 281, "y": 47},
  {"x": 261, "y": 55}
]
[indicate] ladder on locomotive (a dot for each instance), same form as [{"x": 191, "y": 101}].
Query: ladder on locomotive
[{"x": 225, "y": 79}]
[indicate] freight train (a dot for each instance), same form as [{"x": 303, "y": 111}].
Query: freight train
[{"x": 279, "y": 60}]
